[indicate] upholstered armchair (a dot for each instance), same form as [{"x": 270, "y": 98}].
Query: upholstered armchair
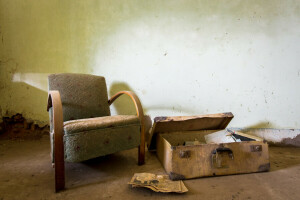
[{"x": 81, "y": 126}]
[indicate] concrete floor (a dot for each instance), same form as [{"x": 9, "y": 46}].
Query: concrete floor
[{"x": 26, "y": 173}]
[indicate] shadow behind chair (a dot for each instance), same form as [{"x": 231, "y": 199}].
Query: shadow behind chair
[{"x": 81, "y": 127}]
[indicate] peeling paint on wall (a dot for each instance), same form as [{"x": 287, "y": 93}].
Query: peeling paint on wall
[{"x": 17, "y": 127}]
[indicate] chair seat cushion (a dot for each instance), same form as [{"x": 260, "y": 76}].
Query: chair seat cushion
[
  {"x": 90, "y": 138},
  {"x": 75, "y": 126}
]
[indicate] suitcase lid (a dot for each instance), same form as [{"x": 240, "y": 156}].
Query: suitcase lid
[{"x": 187, "y": 123}]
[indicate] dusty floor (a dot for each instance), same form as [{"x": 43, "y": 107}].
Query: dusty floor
[{"x": 26, "y": 173}]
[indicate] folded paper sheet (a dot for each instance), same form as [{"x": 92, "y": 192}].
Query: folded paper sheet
[
  {"x": 229, "y": 136},
  {"x": 219, "y": 137},
  {"x": 157, "y": 183}
]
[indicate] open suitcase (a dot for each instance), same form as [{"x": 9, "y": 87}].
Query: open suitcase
[{"x": 198, "y": 146}]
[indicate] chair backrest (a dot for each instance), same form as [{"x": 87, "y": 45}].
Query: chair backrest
[{"x": 82, "y": 95}]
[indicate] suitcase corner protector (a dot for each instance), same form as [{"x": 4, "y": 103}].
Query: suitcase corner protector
[
  {"x": 264, "y": 167},
  {"x": 174, "y": 177}
]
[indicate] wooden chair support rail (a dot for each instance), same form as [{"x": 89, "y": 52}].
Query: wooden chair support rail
[
  {"x": 140, "y": 114},
  {"x": 54, "y": 101}
]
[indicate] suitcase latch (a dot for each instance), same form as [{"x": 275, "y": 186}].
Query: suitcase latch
[
  {"x": 221, "y": 157},
  {"x": 255, "y": 148},
  {"x": 185, "y": 154}
]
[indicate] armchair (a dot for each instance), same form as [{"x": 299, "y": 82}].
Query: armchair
[{"x": 81, "y": 126}]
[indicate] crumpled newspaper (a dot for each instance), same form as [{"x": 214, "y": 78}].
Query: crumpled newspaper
[{"x": 157, "y": 183}]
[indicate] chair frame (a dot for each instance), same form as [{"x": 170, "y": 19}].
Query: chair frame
[{"x": 54, "y": 101}]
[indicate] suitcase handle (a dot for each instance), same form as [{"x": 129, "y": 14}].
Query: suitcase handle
[
  {"x": 223, "y": 149},
  {"x": 218, "y": 159}
]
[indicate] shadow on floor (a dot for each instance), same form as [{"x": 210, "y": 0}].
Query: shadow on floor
[
  {"x": 284, "y": 157},
  {"x": 124, "y": 164},
  {"x": 109, "y": 168}
]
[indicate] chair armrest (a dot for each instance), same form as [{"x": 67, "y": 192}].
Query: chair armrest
[
  {"x": 54, "y": 101},
  {"x": 135, "y": 99},
  {"x": 140, "y": 114}
]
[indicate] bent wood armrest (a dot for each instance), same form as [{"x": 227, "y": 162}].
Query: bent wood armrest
[
  {"x": 140, "y": 114},
  {"x": 54, "y": 101}
]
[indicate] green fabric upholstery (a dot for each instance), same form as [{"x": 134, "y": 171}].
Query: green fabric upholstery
[
  {"x": 83, "y": 96},
  {"x": 84, "y": 145},
  {"x": 74, "y": 126},
  {"x": 89, "y": 130}
]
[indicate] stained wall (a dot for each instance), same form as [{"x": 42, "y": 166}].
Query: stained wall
[{"x": 180, "y": 57}]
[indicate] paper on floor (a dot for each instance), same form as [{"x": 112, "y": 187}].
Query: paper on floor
[{"x": 157, "y": 183}]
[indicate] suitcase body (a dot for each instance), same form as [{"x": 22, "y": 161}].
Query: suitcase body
[{"x": 170, "y": 136}]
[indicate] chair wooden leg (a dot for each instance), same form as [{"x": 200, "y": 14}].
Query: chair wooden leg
[
  {"x": 141, "y": 152},
  {"x": 59, "y": 164},
  {"x": 59, "y": 176},
  {"x": 141, "y": 158}
]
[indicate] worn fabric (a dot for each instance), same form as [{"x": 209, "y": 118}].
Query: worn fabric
[
  {"x": 85, "y": 145},
  {"x": 75, "y": 126},
  {"x": 82, "y": 95},
  {"x": 89, "y": 138},
  {"x": 89, "y": 130}
]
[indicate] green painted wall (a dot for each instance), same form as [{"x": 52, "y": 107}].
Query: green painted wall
[{"x": 180, "y": 57}]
